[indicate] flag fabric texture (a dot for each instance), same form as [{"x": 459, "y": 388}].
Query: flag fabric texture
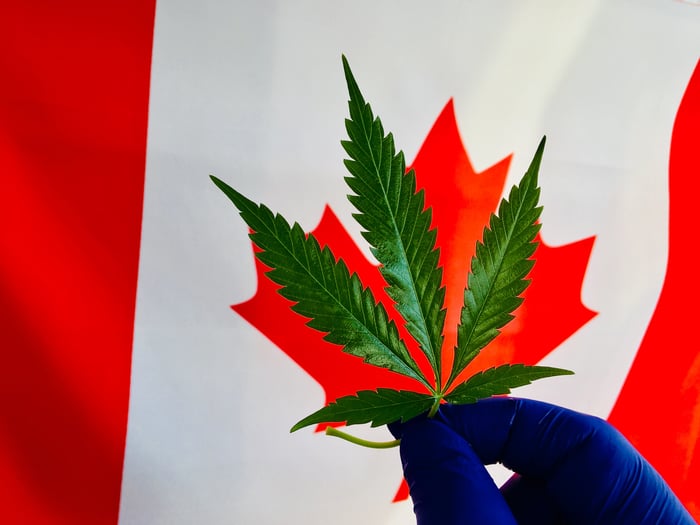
[{"x": 144, "y": 378}]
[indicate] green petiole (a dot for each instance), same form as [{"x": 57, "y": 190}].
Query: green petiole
[
  {"x": 435, "y": 407},
  {"x": 330, "y": 431}
]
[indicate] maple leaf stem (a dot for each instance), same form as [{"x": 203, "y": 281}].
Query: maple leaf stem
[{"x": 330, "y": 431}]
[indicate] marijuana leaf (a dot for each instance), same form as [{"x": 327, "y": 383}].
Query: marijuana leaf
[
  {"x": 380, "y": 407},
  {"x": 502, "y": 261},
  {"x": 397, "y": 225},
  {"x": 499, "y": 380},
  {"x": 323, "y": 289}
]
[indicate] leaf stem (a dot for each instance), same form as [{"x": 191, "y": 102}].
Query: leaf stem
[
  {"x": 434, "y": 408},
  {"x": 330, "y": 431}
]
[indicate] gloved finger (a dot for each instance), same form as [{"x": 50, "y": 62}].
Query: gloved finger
[
  {"x": 447, "y": 481},
  {"x": 529, "y": 502},
  {"x": 589, "y": 471}
]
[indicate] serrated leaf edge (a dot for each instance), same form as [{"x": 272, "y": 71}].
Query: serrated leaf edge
[
  {"x": 474, "y": 325},
  {"x": 394, "y": 357},
  {"x": 423, "y": 321}
]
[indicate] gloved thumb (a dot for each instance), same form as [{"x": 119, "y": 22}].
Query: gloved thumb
[{"x": 447, "y": 481}]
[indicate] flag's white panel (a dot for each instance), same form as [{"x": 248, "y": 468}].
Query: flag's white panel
[{"x": 253, "y": 92}]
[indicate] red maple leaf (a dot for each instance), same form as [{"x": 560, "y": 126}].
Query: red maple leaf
[{"x": 462, "y": 201}]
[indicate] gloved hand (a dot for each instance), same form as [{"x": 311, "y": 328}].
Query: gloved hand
[{"x": 571, "y": 468}]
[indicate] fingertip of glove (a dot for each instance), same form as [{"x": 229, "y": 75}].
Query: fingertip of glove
[
  {"x": 485, "y": 424},
  {"x": 430, "y": 440},
  {"x": 397, "y": 428}
]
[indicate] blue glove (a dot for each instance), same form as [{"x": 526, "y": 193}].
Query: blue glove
[{"x": 571, "y": 468}]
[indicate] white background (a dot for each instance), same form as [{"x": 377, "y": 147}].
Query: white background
[{"x": 253, "y": 92}]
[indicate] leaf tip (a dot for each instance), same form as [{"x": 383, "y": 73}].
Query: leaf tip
[
  {"x": 529, "y": 180},
  {"x": 221, "y": 184},
  {"x": 239, "y": 200},
  {"x": 297, "y": 426},
  {"x": 353, "y": 88},
  {"x": 565, "y": 372}
]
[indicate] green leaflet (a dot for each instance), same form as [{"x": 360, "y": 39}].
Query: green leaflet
[
  {"x": 396, "y": 224},
  {"x": 367, "y": 406},
  {"x": 499, "y": 380},
  {"x": 499, "y": 268},
  {"x": 397, "y": 227},
  {"x": 324, "y": 290}
]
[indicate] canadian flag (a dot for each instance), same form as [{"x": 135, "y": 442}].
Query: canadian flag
[{"x": 132, "y": 393}]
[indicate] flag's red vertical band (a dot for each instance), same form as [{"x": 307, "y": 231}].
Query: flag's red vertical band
[
  {"x": 659, "y": 406},
  {"x": 73, "y": 118}
]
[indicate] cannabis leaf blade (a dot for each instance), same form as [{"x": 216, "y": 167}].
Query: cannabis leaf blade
[
  {"x": 378, "y": 407},
  {"x": 499, "y": 268},
  {"x": 499, "y": 380},
  {"x": 396, "y": 224},
  {"x": 323, "y": 289}
]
